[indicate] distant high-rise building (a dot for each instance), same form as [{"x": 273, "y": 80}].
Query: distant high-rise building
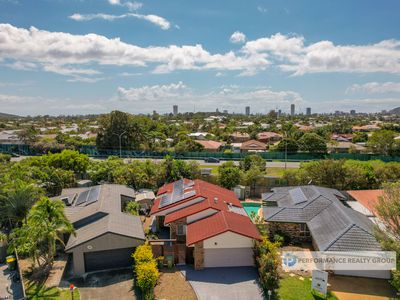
[
  {"x": 308, "y": 111},
  {"x": 247, "y": 110},
  {"x": 175, "y": 109},
  {"x": 353, "y": 112},
  {"x": 292, "y": 109},
  {"x": 225, "y": 111},
  {"x": 279, "y": 112}
]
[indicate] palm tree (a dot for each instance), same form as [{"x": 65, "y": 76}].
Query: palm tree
[
  {"x": 38, "y": 236},
  {"x": 48, "y": 215},
  {"x": 16, "y": 200}
]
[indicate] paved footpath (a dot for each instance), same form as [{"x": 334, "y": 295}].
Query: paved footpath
[{"x": 9, "y": 289}]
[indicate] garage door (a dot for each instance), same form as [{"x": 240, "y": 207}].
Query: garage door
[
  {"x": 109, "y": 259},
  {"x": 228, "y": 257},
  {"x": 383, "y": 274}
]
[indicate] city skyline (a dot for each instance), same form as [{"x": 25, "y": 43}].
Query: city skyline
[{"x": 89, "y": 57}]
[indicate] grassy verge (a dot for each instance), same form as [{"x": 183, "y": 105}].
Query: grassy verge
[
  {"x": 277, "y": 172},
  {"x": 214, "y": 168},
  {"x": 36, "y": 291},
  {"x": 292, "y": 288}
]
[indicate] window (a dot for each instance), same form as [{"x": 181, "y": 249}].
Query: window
[
  {"x": 304, "y": 230},
  {"x": 181, "y": 229}
]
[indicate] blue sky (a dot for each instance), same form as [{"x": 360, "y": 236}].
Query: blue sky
[{"x": 93, "y": 56}]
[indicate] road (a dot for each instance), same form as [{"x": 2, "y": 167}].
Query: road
[{"x": 269, "y": 164}]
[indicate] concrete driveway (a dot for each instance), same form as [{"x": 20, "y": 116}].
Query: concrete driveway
[
  {"x": 8, "y": 288},
  {"x": 107, "y": 285},
  {"x": 234, "y": 283}
]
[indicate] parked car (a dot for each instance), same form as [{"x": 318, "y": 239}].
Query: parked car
[{"x": 211, "y": 160}]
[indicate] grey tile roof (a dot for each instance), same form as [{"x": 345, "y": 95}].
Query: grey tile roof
[
  {"x": 332, "y": 225},
  {"x": 122, "y": 224},
  {"x": 102, "y": 216}
]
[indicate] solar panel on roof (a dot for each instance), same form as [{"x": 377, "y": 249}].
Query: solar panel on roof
[
  {"x": 189, "y": 184},
  {"x": 82, "y": 197},
  {"x": 188, "y": 195},
  {"x": 93, "y": 195},
  {"x": 165, "y": 200},
  {"x": 178, "y": 194},
  {"x": 177, "y": 190},
  {"x": 297, "y": 195}
]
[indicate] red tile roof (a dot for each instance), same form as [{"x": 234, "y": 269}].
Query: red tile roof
[
  {"x": 218, "y": 223},
  {"x": 267, "y": 135},
  {"x": 213, "y": 225},
  {"x": 210, "y": 144},
  {"x": 203, "y": 189},
  {"x": 253, "y": 145},
  {"x": 368, "y": 198}
]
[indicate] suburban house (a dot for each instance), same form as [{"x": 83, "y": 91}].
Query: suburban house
[
  {"x": 268, "y": 137},
  {"x": 253, "y": 146},
  {"x": 145, "y": 198},
  {"x": 199, "y": 135},
  {"x": 342, "y": 137},
  {"x": 239, "y": 137},
  {"x": 206, "y": 224},
  {"x": 345, "y": 147},
  {"x": 211, "y": 146},
  {"x": 10, "y": 137},
  {"x": 105, "y": 237},
  {"x": 365, "y": 128},
  {"x": 365, "y": 202},
  {"x": 319, "y": 215}
]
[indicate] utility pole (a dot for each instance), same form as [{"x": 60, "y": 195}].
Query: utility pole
[
  {"x": 286, "y": 140},
  {"x": 120, "y": 142}
]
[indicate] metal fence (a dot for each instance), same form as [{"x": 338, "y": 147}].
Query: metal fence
[{"x": 279, "y": 156}]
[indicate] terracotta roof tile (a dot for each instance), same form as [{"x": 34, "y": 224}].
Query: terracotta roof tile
[{"x": 218, "y": 223}]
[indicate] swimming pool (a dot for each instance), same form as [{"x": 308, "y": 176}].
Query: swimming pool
[{"x": 251, "y": 207}]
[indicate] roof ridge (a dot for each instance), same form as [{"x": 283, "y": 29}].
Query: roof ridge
[
  {"x": 225, "y": 221},
  {"x": 339, "y": 236},
  {"x": 356, "y": 225},
  {"x": 281, "y": 209}
]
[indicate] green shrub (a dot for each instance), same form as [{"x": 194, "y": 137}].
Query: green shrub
[
  {"x": 143, "y": 254},
  {"x": 146, "y": 278},
  {"x": 146, "y": 271},
  {"x": 132, "y": 207},
  {"x": 267, "y": 261},
  {"x": 4, "y": 158}
]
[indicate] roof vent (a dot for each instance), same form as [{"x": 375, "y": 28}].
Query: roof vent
[{"x": 215, "y": 200}]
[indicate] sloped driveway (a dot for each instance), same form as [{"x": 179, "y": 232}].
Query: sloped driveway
[{"x": 234, "y": 283}]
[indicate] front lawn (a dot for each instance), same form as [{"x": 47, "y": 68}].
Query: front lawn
[
  {"x": 292, "y": 288},
  {"x": 36, "y": 291}
]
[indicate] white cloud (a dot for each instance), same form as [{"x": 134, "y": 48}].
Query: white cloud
[
  {"x": 292, "y": 55},
  {"x": 238, "y": 37},
  {"x": 361, "y": 105},
  {"x": 35, "y": 105},
  {"x": 262, "y": 9},
  {"x": 375, "y": 87},
  {"x": 22, "y": 66},
  {"x": 47, "y": 48},
  {"x": 156, "y": 20},
  {"x": 131, "y": 5},
  {"x": 68, "y": 71},
  {"x": 231, "y": 97},
  {"x": 151, "y": 93}
]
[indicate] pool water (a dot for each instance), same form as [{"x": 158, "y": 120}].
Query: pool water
[{"x": 251, "y": 207}]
